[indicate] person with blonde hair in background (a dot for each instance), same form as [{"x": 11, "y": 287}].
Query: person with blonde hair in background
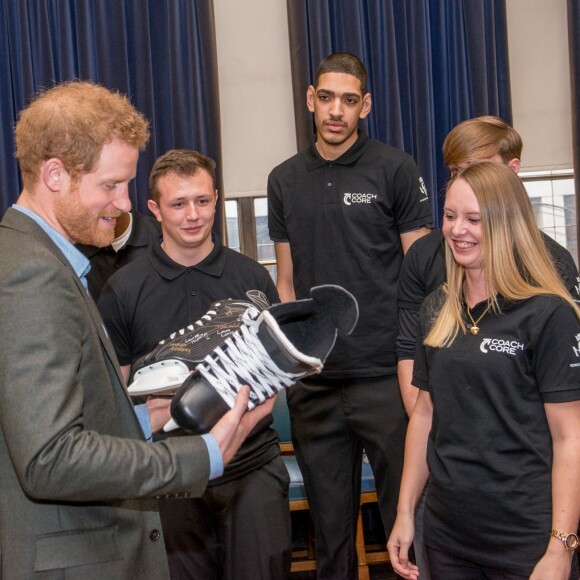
[
  {"x": 486, "y": 138},
  {"x": 497, "y": 421}
]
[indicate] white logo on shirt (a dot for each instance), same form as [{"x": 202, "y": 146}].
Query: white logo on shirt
[
  {"x": 577, "y": 350},
  {"x": 500, "y": 345},
  {"x": 577, "y": 287},
  {"x": 350, "y": 198},
  {"x": 423, "y": 190}
]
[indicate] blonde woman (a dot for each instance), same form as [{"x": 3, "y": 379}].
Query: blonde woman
[{"x": 497, "y": 420}]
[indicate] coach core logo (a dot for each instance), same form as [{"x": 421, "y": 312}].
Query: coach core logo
[
  {"x": 500, "y": 345},
  {"x": 352, "y": 198}
]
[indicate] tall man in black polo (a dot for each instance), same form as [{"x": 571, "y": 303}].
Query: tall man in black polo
[
  {"x": 343, "y": 212},
  {"x": 240, "y": 528}
]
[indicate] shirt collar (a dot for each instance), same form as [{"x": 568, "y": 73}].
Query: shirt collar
[
  {"x": 213, "y": 264},
  {"x": 79, "y": 263},
  {"x": 141, "y": 230},
  {"x": 315, "y": 160}
]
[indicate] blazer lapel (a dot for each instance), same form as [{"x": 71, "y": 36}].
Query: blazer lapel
[{"x": 14, "y": 219}]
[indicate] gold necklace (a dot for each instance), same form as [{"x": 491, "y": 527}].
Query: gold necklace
[{"x": 474, "y": 329}]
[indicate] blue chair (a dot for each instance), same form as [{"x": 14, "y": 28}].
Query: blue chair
[{"x": 306, "y": 560}]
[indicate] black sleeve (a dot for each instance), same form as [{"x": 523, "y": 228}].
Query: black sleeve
[
  {"x": 411, "y": 293},
  {"x": 556, "y": 356},
  {"x": 565, "y": 266},
  {"x": 420, "y": 369},
  {"x": 412, "y": 207},
  {"x": 276, "y": 222},
  {"x": 411, "y": 286},
  {"x": 407, "y": 334}
]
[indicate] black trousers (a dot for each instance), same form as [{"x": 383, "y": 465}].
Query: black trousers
[
  {"x": 239, "y": 530},
  {"x": 332, "y": 422}
]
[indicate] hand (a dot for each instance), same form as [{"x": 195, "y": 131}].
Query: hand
[
  {"x": 554, "y": 564},
  {"x": 233, "y": 428},
  {"x": 398, "y": 545},
  {"x": 159, "y": 412}
]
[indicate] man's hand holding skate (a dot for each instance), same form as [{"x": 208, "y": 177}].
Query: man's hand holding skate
[{"x": 233, "y": 428}]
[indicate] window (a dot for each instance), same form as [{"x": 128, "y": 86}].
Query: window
[
  {"x": 247, "y": 230},
  {"x": 554, "y": 202},
  {"x": 232, "y": 224},
  {"x": 551, "y": 192}
]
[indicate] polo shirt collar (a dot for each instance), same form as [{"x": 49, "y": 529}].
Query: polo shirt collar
[
  {"x": 138, "y": 238},
  {"x": 314, "y": 160},
  {"x": 213, "y": 264},
  {"x": 140, "y": 234},
  {"x": 503, "y": 303}
]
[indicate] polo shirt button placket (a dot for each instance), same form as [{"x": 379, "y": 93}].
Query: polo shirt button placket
[
  {"x": 154, "y": 535},
  {"x": 329, "y": 179},
  {"x": 190, "y": 282}
]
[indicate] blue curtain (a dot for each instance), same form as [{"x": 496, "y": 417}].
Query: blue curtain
[
  {"x": 574, "y": 52},
  {"x": 431, "y": 64},
  {"x": 161, "y": 53}
]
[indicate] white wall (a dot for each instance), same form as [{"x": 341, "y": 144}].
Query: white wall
[
  {"x": 538, "y": 47},
  {"x": 257, "y": 112},
  {"x": 256, "y": 98}
]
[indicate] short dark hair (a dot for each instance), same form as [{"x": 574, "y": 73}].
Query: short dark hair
[
  {"x": 179, "y": 162},
  {"x": 343, "y": 62}
]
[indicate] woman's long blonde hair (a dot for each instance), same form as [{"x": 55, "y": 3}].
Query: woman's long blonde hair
[{"x": 516, "y": 263}]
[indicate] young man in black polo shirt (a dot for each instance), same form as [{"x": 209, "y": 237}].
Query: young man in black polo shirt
[
  {"x": 486, "y": 138},
  {"x": 343, "y": 212},
  {"x": 240, "y": 528}
]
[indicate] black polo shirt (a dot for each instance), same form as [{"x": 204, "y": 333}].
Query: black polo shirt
[
  {"x": 423, "y": 271},
  {"x": 153, "y": 296},
  {"x": 490, "y": 448},
  {"x": 106, "y": 261},
  {"x": 343, "y": 220}
]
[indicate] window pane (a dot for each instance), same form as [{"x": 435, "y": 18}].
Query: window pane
[
  {"x": 554, "y": 205},
  {"x": 232, "y": 224},
  {"x": 265, "y": 245}
]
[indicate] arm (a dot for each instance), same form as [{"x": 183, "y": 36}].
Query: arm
[
  {"x": 83, "y": 442},
  {"x": 415, "y": 474},
  {"x": 564, "y": 423},
  {"x": 285, "y": 282},
  {"x": 408, "y": 331},
  {"x": 408, "y": 238}
]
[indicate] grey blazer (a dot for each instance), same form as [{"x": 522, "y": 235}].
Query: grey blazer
[{"x": 77, "y": 480}]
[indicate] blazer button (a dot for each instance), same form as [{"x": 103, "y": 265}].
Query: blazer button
[{"x": 154, "y": 535}]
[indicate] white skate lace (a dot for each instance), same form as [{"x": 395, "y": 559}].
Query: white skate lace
[
  {"x": 207, "y": 317},
  {"x": 245, "y": 362}
]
